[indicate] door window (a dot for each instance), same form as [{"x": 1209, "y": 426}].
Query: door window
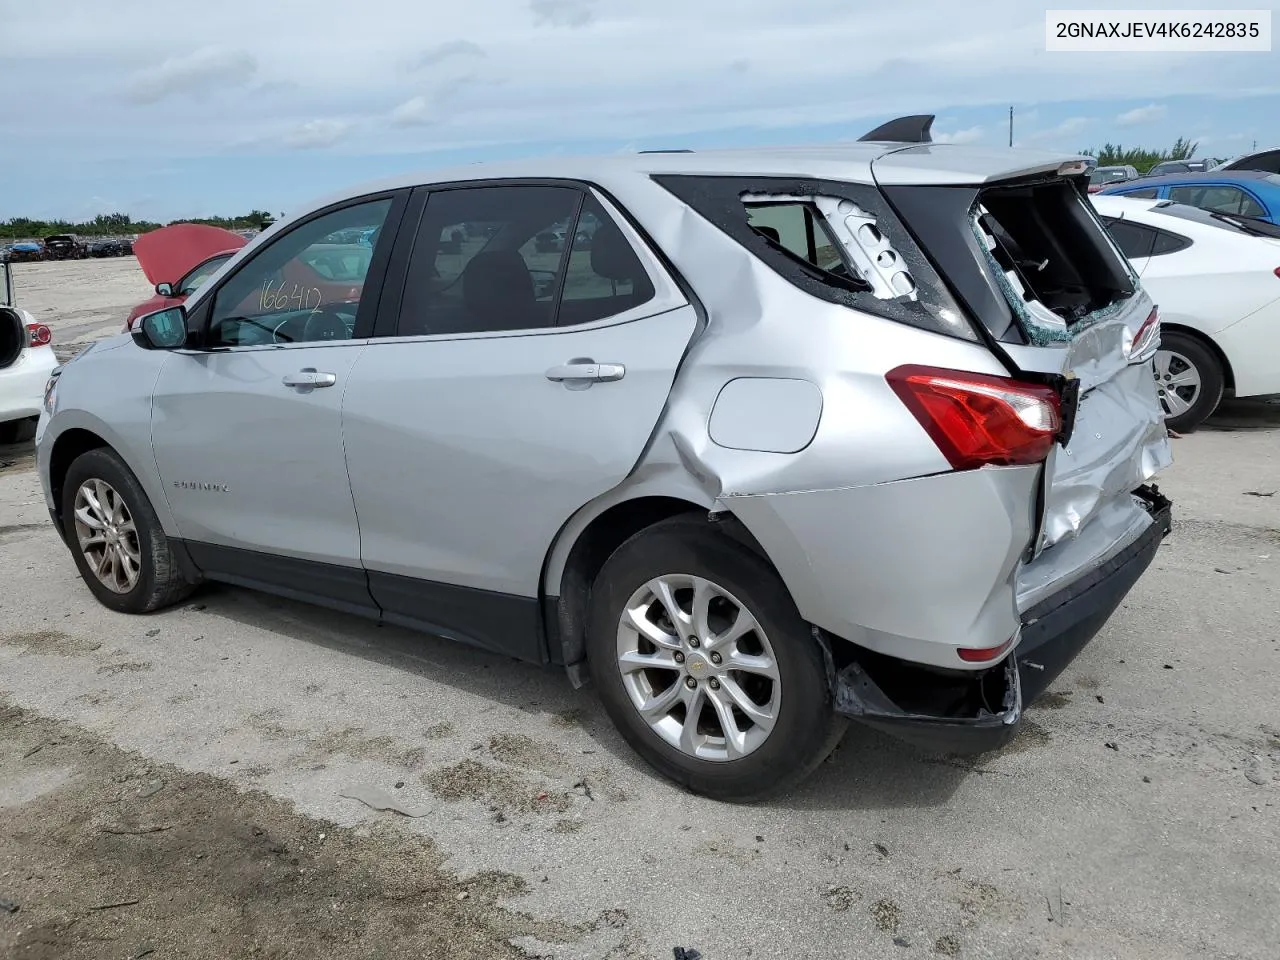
[
  {"x": 1134, "y": 241},
  {"x": 1147, "y": 193},
  {"x": 303, "y": 288},
  {"x": 201, "y": 273},
  {"x": 497, "y": 258},
  {"x": 1219, "y": 199}
]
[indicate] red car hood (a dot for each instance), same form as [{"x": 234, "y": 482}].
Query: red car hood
[{"x": 165, "y": 255}]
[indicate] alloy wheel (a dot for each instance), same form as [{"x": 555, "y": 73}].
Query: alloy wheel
[
  {"x": 107, "y": 536},
  {"x": 1178, "y": 382},
  {"x": 698, "y": 667}
]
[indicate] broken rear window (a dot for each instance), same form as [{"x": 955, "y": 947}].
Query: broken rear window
[
  {"x": 800, "y": 230},
  {"x": 838, "y": 241},
  {"x": 1051, "y": 255}
]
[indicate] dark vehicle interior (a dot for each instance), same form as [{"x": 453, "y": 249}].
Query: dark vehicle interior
[
  {"x": 1055, "y": 248},
  {"x": 489, "y": 283}
]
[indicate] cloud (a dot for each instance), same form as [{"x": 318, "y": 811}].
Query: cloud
[
  {"x": 1141, "y": 115},
  {"x": 562, "y": 13},
  {"x": 445, "y": 51},
  {"x": 967, "y": 135},
  {"x": 416, "y": 112},
  {"x": 315, "y": 133},
  {"x": 1054, "y": 135},
  {"x": 197, "y": 73},
  {"x": 660, "y": 73}
]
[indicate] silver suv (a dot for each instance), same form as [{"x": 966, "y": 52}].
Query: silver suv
[{"x": 781, "y": 439}]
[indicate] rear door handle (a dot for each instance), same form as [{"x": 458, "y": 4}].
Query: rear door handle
[
  {"x": 310, "y": 377},
  {"x": 587, "y": 370}
]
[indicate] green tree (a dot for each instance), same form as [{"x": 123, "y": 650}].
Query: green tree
[{"x": 1140, "y": 158}]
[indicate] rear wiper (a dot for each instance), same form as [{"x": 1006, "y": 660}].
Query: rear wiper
[{"x": 1259, "y": 228}]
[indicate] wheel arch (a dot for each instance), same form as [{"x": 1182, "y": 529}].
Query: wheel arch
[
  {"x": 1228, "y": 376},
  {"x": 70, "y": 445},
  {"x": 84, "y": 433},
  {"x": 589, "y": 538}
]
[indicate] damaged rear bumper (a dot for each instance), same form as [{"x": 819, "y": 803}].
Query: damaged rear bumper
[{"x": 948, "y": 712}]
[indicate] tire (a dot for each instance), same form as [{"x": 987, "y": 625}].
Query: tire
[
  {"x": 1183, "y": 356},
  {"x": 18, "y": 431},
  {"x": 159, "y": 582},
  {"x": 805, "y": 728}
]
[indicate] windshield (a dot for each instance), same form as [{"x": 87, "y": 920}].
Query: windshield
[
  {"x": 1108, "y": 174},
  {"x": 202, "y": 273},
  {"x": 1223, "y": 221}
]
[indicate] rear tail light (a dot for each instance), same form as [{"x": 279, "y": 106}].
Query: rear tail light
[
  {"x": 1147, "y": 339},
  {"x": 38, "y": 335},
  {"x": 1277, "y": 271},
  {"x": 978, "y": 420}
]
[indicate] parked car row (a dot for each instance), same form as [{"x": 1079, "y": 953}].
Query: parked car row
[
  {"x": 65, "y": 246},
  {"x": 1111, "y": 175},
  {"x": 1216, "y": 279},
  {"x": 1236, "y": 193}
]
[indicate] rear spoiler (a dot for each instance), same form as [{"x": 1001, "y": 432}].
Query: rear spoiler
[{"x": 913, "y": 129}]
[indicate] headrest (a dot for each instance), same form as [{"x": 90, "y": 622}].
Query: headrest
[
  {"x": 612, "y": 256},
  {"x": 497, "y": 288}
]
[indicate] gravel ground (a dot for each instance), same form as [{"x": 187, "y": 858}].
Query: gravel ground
[{"x": 1134, "y": 817}]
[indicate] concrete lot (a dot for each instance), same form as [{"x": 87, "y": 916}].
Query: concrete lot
[{"x": 1135, "y": 817}]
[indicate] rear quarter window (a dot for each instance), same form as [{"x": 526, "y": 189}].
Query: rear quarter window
[{"x": 840, "y": 242}]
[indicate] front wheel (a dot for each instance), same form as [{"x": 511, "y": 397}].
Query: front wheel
[
  {"x": 1189, "y": 381},
  {"x": 705, "y": 665},
  {"x": 120, "y": 549}
]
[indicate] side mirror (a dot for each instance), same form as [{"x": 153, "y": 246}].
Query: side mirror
[
  {"x": 163, "y": 330},
  {"x": 165, "y": 289}
]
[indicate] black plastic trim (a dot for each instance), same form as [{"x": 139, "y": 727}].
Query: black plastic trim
[
  {"x": 498, "y": 622},
  {"x": 329, "y": 585},
  {"x": 1057, "y": 628}
]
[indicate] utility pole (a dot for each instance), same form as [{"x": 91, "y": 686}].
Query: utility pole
[{"x": 1011, "y": 126}]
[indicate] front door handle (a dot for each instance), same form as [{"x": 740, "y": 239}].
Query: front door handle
[
  {"x": 310, "y": 377},
  {"x": 587, "y": 370}
]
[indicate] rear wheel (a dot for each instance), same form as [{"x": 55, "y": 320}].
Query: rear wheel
[
  {"x": 18, "y": 431},
  {"x": 115, "y": 536},
  {"x": 1189, "y": 380},
  {"x": 705, "y": 665}
]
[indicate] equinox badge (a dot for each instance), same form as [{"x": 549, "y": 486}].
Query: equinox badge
[{"x": 193, "y": 485}]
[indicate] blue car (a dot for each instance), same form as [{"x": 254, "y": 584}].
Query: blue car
[{"x": 1237, "y": 193}]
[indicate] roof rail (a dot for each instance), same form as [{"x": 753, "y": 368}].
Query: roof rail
[
  {"x": 670, "y": 150},
  {"x": 913, "y": 129}
]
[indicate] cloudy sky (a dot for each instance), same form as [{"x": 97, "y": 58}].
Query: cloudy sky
[{"x": 168, "y": 108}]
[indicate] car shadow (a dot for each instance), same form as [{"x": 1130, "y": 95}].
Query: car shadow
[
  {"x": 869, "y": 770},
  {"x": 17, "y": 456},
  {"x": 1235, "y": 415}
]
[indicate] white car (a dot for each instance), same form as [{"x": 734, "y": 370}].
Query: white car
[
  {"x": 1216, "y": 281},
  {"x": 26, "y": 360}
]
